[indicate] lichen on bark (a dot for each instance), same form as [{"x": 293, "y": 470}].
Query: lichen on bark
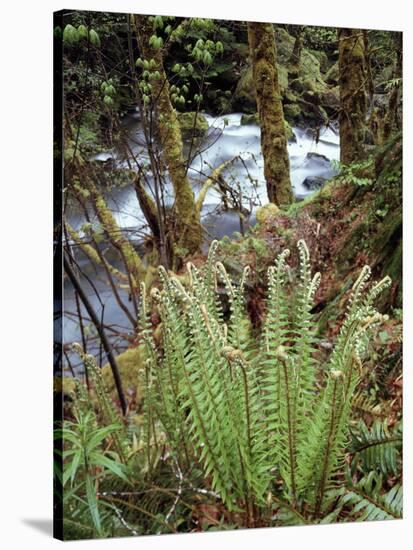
[
  {"x": 130, "y": 257},
  {"x": 91, "y": 253},
  {"x": 353, "y": 98},
  {"x": 188, "y": 228},
  {"x": 273, "y": 139}
]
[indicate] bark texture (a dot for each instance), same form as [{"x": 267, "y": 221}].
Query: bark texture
[
  {"x": 188, "y": 228},
  {"x": 273, "y": 139},
  {"x": 295, "y": 59},
  {"x": 393, "y": 118},
  {"x": 353, "y": 81}
]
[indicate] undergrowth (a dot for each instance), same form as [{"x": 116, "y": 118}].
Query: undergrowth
[{"x": 238, "y": 429}]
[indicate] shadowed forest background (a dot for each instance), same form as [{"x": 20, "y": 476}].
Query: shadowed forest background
[{"x": 230, "y": 218}]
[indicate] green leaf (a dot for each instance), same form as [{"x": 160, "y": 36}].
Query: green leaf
[
  {"x": 158, "y": 22},
  {"x": 82, "y": 31},
  {"x": 70, "y": 35},
  {"x": 93, "y": 504},
  {"x": 110, "y": 465},
  {"x": 71, "y": 469},
  {"x": 98, "y": 436},
  {"x": 94, "y": 38}
]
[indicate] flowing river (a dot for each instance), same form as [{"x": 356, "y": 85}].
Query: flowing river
[{"x": 226, "y": 140}]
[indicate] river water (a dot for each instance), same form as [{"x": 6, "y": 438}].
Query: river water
[{"x": 226, "y": 139}]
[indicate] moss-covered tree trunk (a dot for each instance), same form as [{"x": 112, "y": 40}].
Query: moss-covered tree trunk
[
  {"x": 133, "y": 264},
  {"x": 295, "y": 59},
  {"x": 353, "y": 99},
  {"x": 393, "y": 120},
  {"x": 188, "y": 230},
  {"x": 273, "y": 139}
]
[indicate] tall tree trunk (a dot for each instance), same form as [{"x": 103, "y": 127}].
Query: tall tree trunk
[
  {"x": 353, "y": 80},
  {"x": 295, "y": 59},
  {"x": 188, "y": 224},
  {"x": 273, "y": 139},
  {"x": 392, "y": 120}
]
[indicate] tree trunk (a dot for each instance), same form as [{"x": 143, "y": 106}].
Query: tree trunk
[
  {"x": 93, "y": 255},
  {"x": 133, "y": 264},
  {"x": 353, "y": 80},
  {"x": 188, "y": 224},
  {"x": 273, "y": 139},
  {"x": 295, "y": 59},
  {"x": 392, "y": 120}
]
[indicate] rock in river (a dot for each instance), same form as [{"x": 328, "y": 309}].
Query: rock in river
[
  {"x": 322, "y": 159},
  {"x": 314, "y": 182}
]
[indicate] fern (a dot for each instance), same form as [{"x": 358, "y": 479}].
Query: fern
[
  {"x": 251, "y": 412},
  {"x": 377, "y": 448},
  {"x": 368, "y": 502},
  {"x": 328, "y": 429}
]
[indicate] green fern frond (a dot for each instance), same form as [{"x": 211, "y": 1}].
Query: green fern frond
[
  {"x": 368, "y": 503},
  {"x": 378, "y": 448},
  {"x": 250, "y": 412},
  {"x": 239, "y": 325},
  {"x": 328, "y": 430}
]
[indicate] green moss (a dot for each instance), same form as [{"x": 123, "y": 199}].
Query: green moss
[
  {"x": 264, "y": 213},
  {"x": 131, "y": 366},
  {"x": 273, "y": 133},
  {"x": 65, "y": 385},
  {"x": 244, "y": 96},
  {"x": 289, "y": 134},
  {"x": 332, "y": 74},
  {"x": 309, "y": 64},
  {"x": 292, "y": 112},
  {"x": 353, "y": 80},
  {"x": 322, "y": 58},
  {"x": 130, "y": 256},
  {"x": 192, "y": 124},
  {"x": 282, "y": 78},
  {"x": 252, "y": 118}
]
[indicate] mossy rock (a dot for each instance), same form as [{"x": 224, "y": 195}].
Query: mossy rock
[
  {"x": 191, "y": 127},
  {"x": 251, "y": 118},
  {"x": 322, "y": 59},
  {"x": 310, "y": 79},
  {"x": 282, "y": 78},
  {"x": 332, "y": 74},
  {"x": 222, "y": 105},
  {"x": 245, "y": 96},
  {"x": 330, "y": 100},
  {"x": 289, "y": 134},
  {"x": 131, "y": 368},
  {"x": 292, "y": 112},
  {"x": 309, "y": 64},
  {"x": 266, "y": 212}
]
